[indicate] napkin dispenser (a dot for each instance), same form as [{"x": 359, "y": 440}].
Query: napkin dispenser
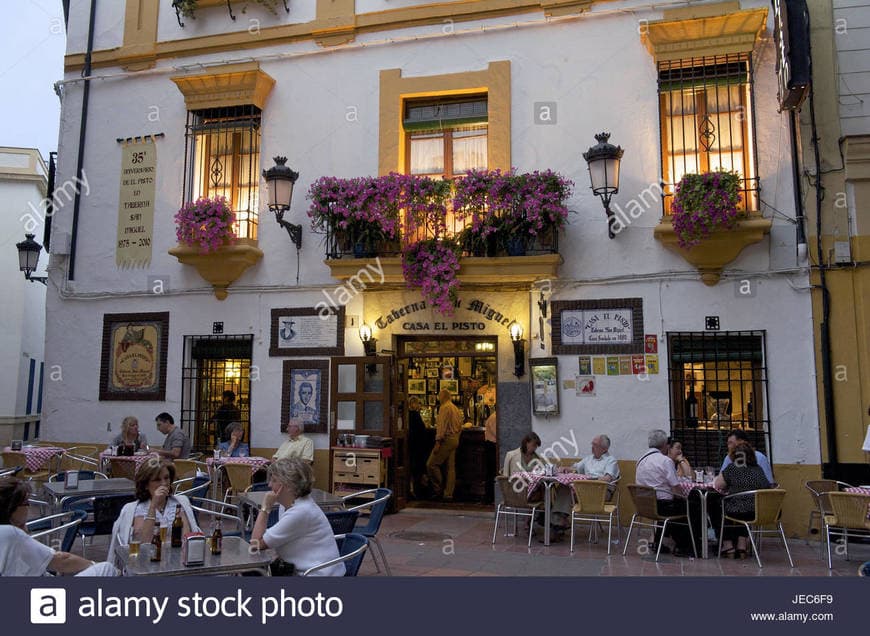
[{"x": 193, "y": 548}]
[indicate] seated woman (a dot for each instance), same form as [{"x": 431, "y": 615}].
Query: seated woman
[
  {"x": 302, "y": 535},
  {"x": 130, "y": 435},
  {"x": 681, "y": 464},
  {"x": 22, "y": 555},
  {"x": 234, "y": 446},
  {"x": 154, "y": 506},
  {"x": 525, "y": 458},
  {"x": 741, "y": 475}
]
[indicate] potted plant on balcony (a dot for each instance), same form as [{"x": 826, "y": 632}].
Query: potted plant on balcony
[
  {"x": 706, "y": 226},
  {"x": 705, "y": 203},
  {"x": 208, "y": 242},
  {"x": 433, "y": 264}
]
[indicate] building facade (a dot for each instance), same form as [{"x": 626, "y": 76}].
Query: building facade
[
  {"x": 620, "y": 335},
  {"x": 23, "y": 188}
]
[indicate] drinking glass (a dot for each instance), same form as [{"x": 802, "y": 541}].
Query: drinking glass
[
  {"x": 162, "y": 534},
  {"x": 699, "y": 476},
  {"x": 243, "y": 453},
  {"x": 133, "y": 544},
  {"x": 710, "y": 474}
]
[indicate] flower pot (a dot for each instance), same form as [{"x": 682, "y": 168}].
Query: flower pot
[
  {"x": 516, "y": 246},
  {"x": 222, "y": 267}
]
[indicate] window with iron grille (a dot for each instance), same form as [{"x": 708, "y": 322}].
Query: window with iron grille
[
  {"x": 222, "y": 158},
  {"x": 212, "y": 365},
  {"x": 707, "y": 121},
  {"x": 718, "y": 382},
  {"x": 446, "y": 138}
]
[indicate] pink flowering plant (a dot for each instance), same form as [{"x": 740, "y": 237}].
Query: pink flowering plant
[
  {"x": 365, "y": 209},
  {"x": 704, "y": 203},
  {"x": 205, "y": 223},
  {"x": 432, "y": 265}
]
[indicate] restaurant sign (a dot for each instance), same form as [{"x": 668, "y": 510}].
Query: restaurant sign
[
  {"x": 606, "y": 326},
  {"x": 469, "y": 315}
]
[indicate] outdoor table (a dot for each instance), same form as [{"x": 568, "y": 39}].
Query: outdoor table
[
  {"x": 35, "y": 457},
  {"x": 533, "y": 479},
  {"x": 58, "y": 491},
  {"x": 256, "y": 463},
  {"x": 236, "y": 556},
  {"x": 860, "y": 490},
  {"x": 703, "y": 489},
  {"x": 253, "y": 500},
  {"x": 137, "y": 458}
]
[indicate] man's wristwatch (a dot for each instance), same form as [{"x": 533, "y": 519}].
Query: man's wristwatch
[{"x": 264, "y": 509}]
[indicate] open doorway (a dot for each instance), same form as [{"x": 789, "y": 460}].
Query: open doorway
[{"x": 468, "y": 368}]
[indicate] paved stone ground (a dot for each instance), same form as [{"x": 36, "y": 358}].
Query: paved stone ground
[{"x": 421, "y": 542}]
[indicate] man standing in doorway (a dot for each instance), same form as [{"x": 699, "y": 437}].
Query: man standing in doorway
[
  {"x": 448, "y": 427},
  {"x": 226, "y": 414}
]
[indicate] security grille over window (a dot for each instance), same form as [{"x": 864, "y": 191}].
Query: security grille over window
[
  {"x": 707, "y": 121},
  {"x": 718, "y": 382},
  {"x": 222, "y": 158},
  {"x": 212, "y": 365}
]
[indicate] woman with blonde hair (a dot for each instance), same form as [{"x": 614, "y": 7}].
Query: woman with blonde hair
[
  {"x": 130, "y": 435},
  {"x": 302, "y": 535}
]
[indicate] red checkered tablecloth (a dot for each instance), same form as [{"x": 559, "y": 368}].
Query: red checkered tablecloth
[
  {"x": 533, "y": 479},
  {"x": 256, "y": 463},
  {"x": 35, "y": 457},
  {"x": 858, "y": 490}
]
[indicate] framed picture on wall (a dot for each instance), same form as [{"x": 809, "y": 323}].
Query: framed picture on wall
[
  {"x": 133, "y": 361},
  {"x": 450, "y": 385},
  {"x": 432, "y": 372},
  {"x": 416, "y": 387},
  {"x": 304, "y": 394},
  {"x": 305, "y": 331},
  {"x": 545, "y": 385}
]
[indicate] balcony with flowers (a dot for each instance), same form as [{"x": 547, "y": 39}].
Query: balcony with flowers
[{"x": 488, "y": 227}]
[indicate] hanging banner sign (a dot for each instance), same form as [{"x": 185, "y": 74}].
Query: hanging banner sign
[{"x": 136, "y": 204}]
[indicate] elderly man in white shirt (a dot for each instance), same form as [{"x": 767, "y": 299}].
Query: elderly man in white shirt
[
  {"x": 656, "y": 469},
  {"x": 600, "y": 464}
]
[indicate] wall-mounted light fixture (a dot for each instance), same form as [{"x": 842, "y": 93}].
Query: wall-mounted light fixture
[
  {"x": 370, "y": 344},
  {"x": 603, "y": 159},
  {"x": 516, "y": 331},
  {"x": 28, "y": 258},
  {"x": 280, "y": 180}
]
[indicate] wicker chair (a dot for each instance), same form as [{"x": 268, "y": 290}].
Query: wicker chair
[
  {"x": 768, "y": 510},
  {"x": 121, "y": 467},
  {"x": 646, "y": 507},
  {"x": 514, "y": 504},
  {"x": 818, "y": 489},
  {"x": 239, "y": 477},
  {"x": 591, "y": 506},
  {"x": 185, "y": 468},
  {"x": 848, "y": 518},
  {"x": 12, "y": 459}
]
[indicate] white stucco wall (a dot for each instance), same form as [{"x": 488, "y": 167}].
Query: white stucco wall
[{"x": 600, "y": 77}]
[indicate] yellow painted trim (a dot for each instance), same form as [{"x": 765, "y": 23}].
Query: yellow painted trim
[
  {"x": 140, "y": 32},
  {"x": 324, "y": 27},
  {"x": 231, "y": 85},
  {"x": 495, "y": 81},
  {"x": 222, "y": 267},
  {"x": 496, "y": 272},
  {"x": 735, "y": 32},
  {"x": 718, "y": 249}
]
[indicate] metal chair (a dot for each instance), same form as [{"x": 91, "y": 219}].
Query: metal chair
[
  {"x": 514, "y": 504},
  {"x": 216, "y": 510},
  {"x": 646, "y": 507},
  {"x": 591, "y": 505},
  {"x": 818, "y": 489},
  {"x": 848, "y": 518},
  {"x": 106, "y": 509},
  {"x": 192, "y": 486},
  {"x": 768, "y": 509},
  {"x": 342, "y": 521},
  {"x": 84, "y": 475},
  {"x": 376, "y": 507},
  {"x": 78, "y": 458},
  {"x": 351, "y": 550},
  {"x": 17, "y": 458},
  {"x": 44, "y": 527},
  {"x": 120, "y": 467}
]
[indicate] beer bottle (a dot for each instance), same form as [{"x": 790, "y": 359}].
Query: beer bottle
[
  {"x": 217, "y": 538},
  {"x": 177, "y": 529},
  {"x": 156, "y": 544}
]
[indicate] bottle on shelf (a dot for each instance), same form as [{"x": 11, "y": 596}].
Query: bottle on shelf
[
  {"x": 217, "y": 538},
  {"x": 691, "y": 408},
  {"x": 156, "y": 544},
  {"x": 177, "y": 529}
]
